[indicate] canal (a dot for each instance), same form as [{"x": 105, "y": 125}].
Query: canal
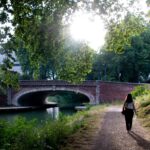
[
  {"x": 66, "y": 106},
  {"x": 39, "y": 115}
]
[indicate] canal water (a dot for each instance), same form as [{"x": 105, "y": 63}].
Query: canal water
[{"x": 39, "y": 115}]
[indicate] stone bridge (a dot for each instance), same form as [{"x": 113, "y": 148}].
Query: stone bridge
[{"x": 96, "y": 91}]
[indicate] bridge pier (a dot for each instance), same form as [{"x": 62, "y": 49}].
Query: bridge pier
[
  {"x": 9, "y": 96},
  {"x": 97, "y": 92}
]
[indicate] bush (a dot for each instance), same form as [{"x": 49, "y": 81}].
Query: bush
[
  {"x": 140, "y": 90},
  {"x": 19, "y": 134},
  {"x": 142, "y": 101},
  {"x": 54, "y": 132},
  {"x": 22, "y": 134}
]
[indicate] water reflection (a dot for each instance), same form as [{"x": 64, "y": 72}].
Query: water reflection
[
  {"x": 39, "y": 115},
  {"x": 53, "y": 112}
]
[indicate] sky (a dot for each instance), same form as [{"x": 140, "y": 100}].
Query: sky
[{"x": 93, "y": 31}]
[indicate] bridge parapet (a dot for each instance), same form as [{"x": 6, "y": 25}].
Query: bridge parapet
[{"x": 53, "y": 82}]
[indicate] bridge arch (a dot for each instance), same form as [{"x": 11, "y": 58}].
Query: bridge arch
[{"x": 25, "y": 91}]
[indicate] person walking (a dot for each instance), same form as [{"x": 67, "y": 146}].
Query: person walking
[{"x": 128, "y": 110}]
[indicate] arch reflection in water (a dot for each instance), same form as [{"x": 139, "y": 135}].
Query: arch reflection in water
[{"x": 53, "y": 112}]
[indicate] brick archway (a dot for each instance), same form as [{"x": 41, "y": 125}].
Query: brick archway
[
  {"x": 96, "y": 91},
  {"x": 23, "y": 92}
]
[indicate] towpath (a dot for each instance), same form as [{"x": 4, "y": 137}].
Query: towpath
[{"x": 113, "y": 134}]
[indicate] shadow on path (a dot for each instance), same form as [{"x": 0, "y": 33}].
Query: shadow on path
[
  {"x": 113, "y": 134},
  {"x": 140, "y": 141}
]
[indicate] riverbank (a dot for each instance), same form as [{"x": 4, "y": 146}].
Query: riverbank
[
  {"x": 22, "y": 134},
  {"x": 25, "y": 108},
  {"x": 84, "y": 137}
]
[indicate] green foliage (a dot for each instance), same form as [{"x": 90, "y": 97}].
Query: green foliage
[
  {"x": 22, "y": 134},
  {"x": 18, "y": 135},
  {"x": 68, "y": 100},
  {"x": 143, "y": 105},
  {"x": 142, "y": 100},
  {"x": 132, "y": 65},
  {"x": 40, "y": 33},
  {"x": 4, "y": 19},
  {"x": 54, "y": 133},
  {"x": 38, "y": 24},
  {"x": 119, "y": 36},
  {"x": 76, "y": 63},
  {"x": 140, "y": 90},
  {"x": 43, "y": 53},
  {"x": 7, "y": 76},
  {"x": 3, "y": 127},
  {"x": 2, "y": 89},
  {"x": 23, "y": 58},
  {"x": 9, "y": 79}
]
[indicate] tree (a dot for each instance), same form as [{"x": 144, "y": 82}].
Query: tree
[
  {"x": 8, "y": 78},
  {"x": 106, "y": 66},
  {"x": 39, "y": 28},
  {"x": 119, "y": 36},
  {"x": 76, "y": 63},
  {"x": 44, "y": 41},
  {"x": 23, "y": 57},
  {"x": 38, "y": 24},
  {"x": 132, "y": 65}
]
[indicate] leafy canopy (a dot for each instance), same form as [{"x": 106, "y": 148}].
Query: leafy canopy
[{"x": 119, "y": 35}]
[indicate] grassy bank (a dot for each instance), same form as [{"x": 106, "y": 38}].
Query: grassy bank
[
  {"x": 141, "y": 95},
  {"x": 22, "y": 134},
  {"x": 84, "y": 137}
]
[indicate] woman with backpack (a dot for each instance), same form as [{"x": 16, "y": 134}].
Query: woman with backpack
[{"x": 128, "y": 110}]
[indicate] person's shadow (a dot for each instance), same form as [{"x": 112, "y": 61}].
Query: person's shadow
[{"x": 140, "y": 141}]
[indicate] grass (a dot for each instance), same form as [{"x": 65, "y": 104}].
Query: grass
[
  {"x": 143, "y": 109},
  {"x": 22, "y": 134},
  {"x": 142, "y": 101},
  {"x": 83, "y": 138}
]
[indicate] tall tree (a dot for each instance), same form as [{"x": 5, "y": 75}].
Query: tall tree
[
  {"x": 39, "y": 25},
  {"x": 119, "y": 35},
  {"x": 7, "y": 77},
  {"x": 76, "y": 63},
  {"x": 42, "y": 35},
  {"x": 132, "y": 65}
]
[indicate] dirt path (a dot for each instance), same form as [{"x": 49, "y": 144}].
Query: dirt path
[{"x": 113, "y": 134}]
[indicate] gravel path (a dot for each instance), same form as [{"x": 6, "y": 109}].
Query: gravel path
[{"x": 113, "y": 134}]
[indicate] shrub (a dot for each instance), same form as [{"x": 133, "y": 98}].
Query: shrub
[
  {"x": 22, "y": 134},
  {"x": 142, "y": 101},
  {"x": 54, "y": 132},
  {"x": 140, "y": 90}
]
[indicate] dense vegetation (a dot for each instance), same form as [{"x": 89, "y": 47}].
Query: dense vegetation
[
  {"x": 141, "y": 95},
  {"x": 68, "y": 99},
  {"x": 45, "y": 50},
  {"x": 23, "y": 134},
  {"x": 132, "y": 65}
]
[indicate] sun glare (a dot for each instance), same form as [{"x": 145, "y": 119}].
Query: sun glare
[{"x": 89, "y": 28}]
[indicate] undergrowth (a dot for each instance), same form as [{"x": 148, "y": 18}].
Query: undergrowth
[
  {"x": 141, "y": 95},
  {"x": 22, "y": 134}
]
